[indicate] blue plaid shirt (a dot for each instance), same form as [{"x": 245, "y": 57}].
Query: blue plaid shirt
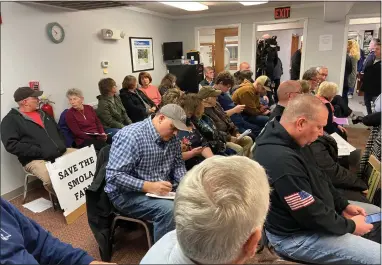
[{"x": 138, "y": 154}]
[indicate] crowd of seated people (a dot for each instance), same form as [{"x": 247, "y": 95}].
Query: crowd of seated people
[{"x": 166, "y": 140}]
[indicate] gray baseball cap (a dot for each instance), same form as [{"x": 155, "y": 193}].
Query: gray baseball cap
[
  {"x": 176, "y": 114},
  {"x": 25, "y": 92}
]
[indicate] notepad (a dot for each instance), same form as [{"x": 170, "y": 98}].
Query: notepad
[
  {"x": 169, "y": 196},
  {"x": 39, "y": 205},
  {"x": 341, "y": 121},
  {"x": 344, "y": 148},
  {"x": 96, "y": 133}
]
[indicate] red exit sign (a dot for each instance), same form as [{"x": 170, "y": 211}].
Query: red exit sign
[{"x": 282, "y": 12}]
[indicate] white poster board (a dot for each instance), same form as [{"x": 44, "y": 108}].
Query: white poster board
[
  {"x": 325, "y": 43},
  {"x": 71, "y": 175}
]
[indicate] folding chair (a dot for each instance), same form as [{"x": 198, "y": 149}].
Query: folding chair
[
  {"x": 26, "y": 182},
  {"x": 145, "y": 224}
]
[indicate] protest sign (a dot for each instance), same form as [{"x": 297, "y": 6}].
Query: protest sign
[{"x": 71, "y": 175}]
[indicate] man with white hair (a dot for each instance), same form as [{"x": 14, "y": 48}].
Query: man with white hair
[
  {"x": 220, "y": 208},
  {"x": 309, "y": 220},
  {"x": 323, "y": 73}
]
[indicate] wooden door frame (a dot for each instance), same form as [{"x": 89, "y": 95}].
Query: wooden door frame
[
  {"x": 305, "y": 34},
  {"x": 238, "y": 26}
]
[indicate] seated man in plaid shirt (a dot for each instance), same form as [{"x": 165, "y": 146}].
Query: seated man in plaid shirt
[{"x": 146, "y": 157}]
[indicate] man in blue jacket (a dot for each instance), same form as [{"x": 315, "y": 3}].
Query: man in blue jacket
[{"x": 23, "y": 241}]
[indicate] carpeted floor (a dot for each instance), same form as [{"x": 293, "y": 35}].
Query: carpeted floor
[
  {"x": 79, "y": 235},
  {"x": 128, "y": 251}
]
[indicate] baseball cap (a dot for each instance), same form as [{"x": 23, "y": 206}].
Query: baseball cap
[
  {"x": 176, "y": 114},
  {"x": 25, "y": 92},
  {"x": 265, "y": 82},
  {"x": 208, "y": 91}
]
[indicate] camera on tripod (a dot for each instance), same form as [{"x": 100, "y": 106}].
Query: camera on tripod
[{"x": 266, "y": 55}]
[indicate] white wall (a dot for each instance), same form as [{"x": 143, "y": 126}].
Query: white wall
[
  {"x": 284, "y": 40},
  {"x": 27, "y": 54},
  {"x": 184, "y": 31}
]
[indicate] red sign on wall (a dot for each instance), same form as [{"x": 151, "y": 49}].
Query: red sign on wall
[{"x": 282, "y": 12}]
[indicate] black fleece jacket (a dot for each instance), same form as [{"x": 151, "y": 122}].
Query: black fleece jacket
[
  {"x": 292, "y": 171},
  {"x": 29, "y": 141}
]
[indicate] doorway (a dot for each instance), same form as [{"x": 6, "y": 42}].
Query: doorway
[
  {"x": 360, "y": 30},
  {"x": 219, "y": 47},
  {"x": 289, "y": 40}
]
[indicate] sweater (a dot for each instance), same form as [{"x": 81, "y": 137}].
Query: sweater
[
  {"x": 24, "y": 241},
  {"x": 152, "y": 93},
  {"x": 82, "y": 122},
  {"x": 247, "y": 95}
]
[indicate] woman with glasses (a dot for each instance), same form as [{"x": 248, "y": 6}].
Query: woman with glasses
[{"x": 110, "y": 109}]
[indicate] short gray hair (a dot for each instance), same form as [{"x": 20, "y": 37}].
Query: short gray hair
[
  {"x": 218, "y": 205},
  {"x": 74, "y": 92},
  {"x": 305, "y": 105},
  {"x": 310, "y": 74},
  {"x": 321, "y": 67}
]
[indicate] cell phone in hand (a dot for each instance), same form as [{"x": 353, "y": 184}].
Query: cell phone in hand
[{"x": 373, "y": 218}]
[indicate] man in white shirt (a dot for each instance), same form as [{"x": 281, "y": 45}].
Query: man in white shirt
[{"x": 220, "y": 208}]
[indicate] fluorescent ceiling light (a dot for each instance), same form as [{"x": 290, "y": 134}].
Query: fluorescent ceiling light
[
  {"x": 189, "y": 6},
  {"x": 253, "y": 3}
]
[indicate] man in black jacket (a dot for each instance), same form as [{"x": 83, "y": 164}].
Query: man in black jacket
[
  {"x": 371, "y": 85},
  {"x": 32, "y": 135},
  {"x": 287, "y": 91},
  {"x": 309, "y": 220}
]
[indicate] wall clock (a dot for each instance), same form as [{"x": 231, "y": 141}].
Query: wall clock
[{"x": 55, "y": 32}]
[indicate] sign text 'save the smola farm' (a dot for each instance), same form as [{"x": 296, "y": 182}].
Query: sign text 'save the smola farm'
[{"x": 71, "y": 175}]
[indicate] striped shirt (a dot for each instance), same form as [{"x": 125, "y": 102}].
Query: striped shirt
[{"x": 138, "y": 154}]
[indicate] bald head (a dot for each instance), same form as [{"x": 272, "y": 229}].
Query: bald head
[
  {"x": 244, "y": 66},
  {"x": 304, "y": 119},
  {"x": 305, "y": 105},
  {"x": 266, "y": 36},
  {"x": 288, "y": 90}
]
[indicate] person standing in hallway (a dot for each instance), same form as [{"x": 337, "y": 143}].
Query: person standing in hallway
[
  {"x": 295, "y": 65},
  {"x": 372, "y": 79},
  {"x": 371, "y": 56},
  {"x": 277, "y": 73},
  {"x": 353, "y": 50}
]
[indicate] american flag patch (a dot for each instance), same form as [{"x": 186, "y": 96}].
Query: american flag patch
[{"x": 299, "y": 200}]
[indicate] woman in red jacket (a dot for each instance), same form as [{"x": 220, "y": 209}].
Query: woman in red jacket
[{"x": 83, "y": 122}]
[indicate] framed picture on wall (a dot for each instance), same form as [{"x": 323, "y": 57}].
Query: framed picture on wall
[{"x": 142, "y": 55}]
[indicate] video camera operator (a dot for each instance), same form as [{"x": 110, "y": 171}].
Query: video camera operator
[
  {"x": 267, "y": 59},
  {"x": 266, "y": 55}
]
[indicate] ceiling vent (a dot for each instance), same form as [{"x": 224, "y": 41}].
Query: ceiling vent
[{"x": 83, "y": 5}]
